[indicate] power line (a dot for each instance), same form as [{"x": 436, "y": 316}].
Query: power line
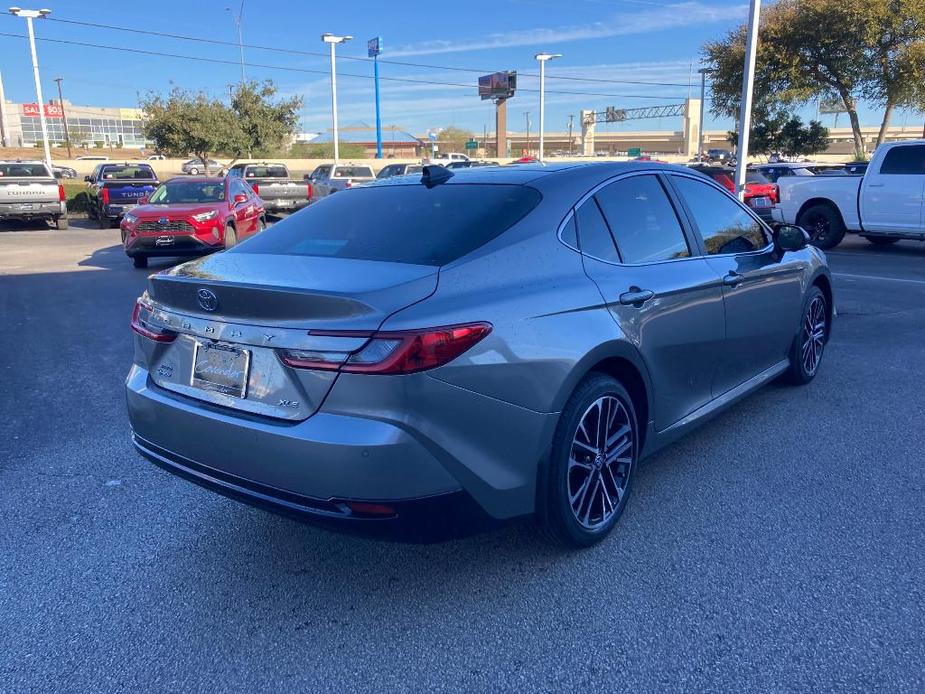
[
  {"x": 220, "y": 61},
  {"x": 319, "y": 54}
]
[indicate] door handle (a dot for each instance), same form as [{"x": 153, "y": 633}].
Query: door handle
[
  {"x": 875, "y": 185},
  {"x": 636, "y": 296},
  {"x": 733, "y": 279}
]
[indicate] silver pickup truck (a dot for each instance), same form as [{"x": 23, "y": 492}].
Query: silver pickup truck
[
  {"x": 273, "y": 186},
  {"x": 330, "y": 178},
  {"x": 28, "y": 190}
]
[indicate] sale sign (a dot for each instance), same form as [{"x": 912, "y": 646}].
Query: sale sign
[{"x": 51, "y": 110}]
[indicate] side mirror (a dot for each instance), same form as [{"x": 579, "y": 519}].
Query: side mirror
[
  {"x": 790, "y": 237},
  {"x": 239, "y": 198},
  {"x": 143, "y": 200}
]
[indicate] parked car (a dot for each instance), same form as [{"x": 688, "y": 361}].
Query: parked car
[
  {"x": 474, "y": 163},
  {"x": 192, "y": 216},
  {"x": 330, "y": 178},
  {"x": 399, "y": 170},
  {"x": 760, "y": 193},
  {"x": 93, "y": 157},
  {"x": 884, "y": 205},
  {"x": 322, "y": 371},
  {"x": 28, "y": 190},
  {"x": 64, "y": 172},
  {"x": 723, "y": 156},
  {"x": 155, "y": 157},
  {"x": 443, "y": 157},
  {"x": 194, "y": 167},
  {"x": 114, "y": 189},
  {"x": 273, "y": 184}
]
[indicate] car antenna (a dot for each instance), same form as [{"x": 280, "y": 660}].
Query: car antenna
[{"x": 434, "y": 174}]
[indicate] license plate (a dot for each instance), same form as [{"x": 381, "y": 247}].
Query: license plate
[
  {"x": 284, "y": 203},
  {"x": 761, "y": 202},
  {"x": 220, "y": 368},
  {"x": 164, "y": 241},
  {"x": 27, "y": 206}
]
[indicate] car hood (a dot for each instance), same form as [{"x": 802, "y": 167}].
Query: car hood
[{"x": 173, "y": 211}]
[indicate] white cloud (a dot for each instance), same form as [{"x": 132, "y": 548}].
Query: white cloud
[{"x": 646, "y": 21}]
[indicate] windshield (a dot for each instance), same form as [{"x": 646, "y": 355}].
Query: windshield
[
  {"x": 130, "y": 171},
  {"x": 188, "y": 192},
  {"x": 353, "y": 172},
  {"x": 266, "y": 172},
  {"x": 23, "y": 170},
  {"x": 399, "y": 223}
]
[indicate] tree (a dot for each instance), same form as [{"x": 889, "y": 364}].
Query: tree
[
  {"x": 325, "y": 150},
  {"x": 185, "y": 122},
  {"x": 253, "y": 124},
  {"x": 814, "y": 49},
  {"x": 453, "y": 139},
  {"x": 779, "y": 131}
]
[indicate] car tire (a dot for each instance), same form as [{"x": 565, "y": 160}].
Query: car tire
[
  {"x": 194, "y": 171},
  {"x": 576, "y": 477},
  {"x": 231, "y": 237},
  {"x": 824, "y": 225},
  {"x": 140, "y": 261},
  {"x": 811, "y": 338},
  {"x": 102, "y": 221},
  {"x": 882, "y": 240},
  {"x": 61, "y": 223}
]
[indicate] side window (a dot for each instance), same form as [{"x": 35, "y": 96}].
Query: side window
[
  {"x": 643, "y": 221},
  {"x": 908, "y": 160},
  {"x": 238, "y": 188},
  {"x": 724, "y": 225},
  {"x": 570, "y": 233},
  {"x": 594, "y": 238}
]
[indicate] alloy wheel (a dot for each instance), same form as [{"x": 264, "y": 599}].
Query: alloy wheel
[
  {"x": 817, "y": 226},
  {"x": 600, "y": 462},
  {"x": 812, "y": 335}
]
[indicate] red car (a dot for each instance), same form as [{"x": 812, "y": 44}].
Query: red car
[
  {"x": 760, "y": 194},
  {"x": 192, "y": 216}
]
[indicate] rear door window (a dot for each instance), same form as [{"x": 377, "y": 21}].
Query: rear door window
[
  {"x": 642, "y": 220},
  {"x": 908, "y": 160},
  {"x": 723, "y": 224},
  {"x": 400, "y": 223},
  {"x": 593, "y": 235}
]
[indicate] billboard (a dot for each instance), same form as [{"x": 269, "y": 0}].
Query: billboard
[
  {"x": 498, "y": 85},
  {"x": 832, "y": 106},
  {"x": 51, "y": 110}
]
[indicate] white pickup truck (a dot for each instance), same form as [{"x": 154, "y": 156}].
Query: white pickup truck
[
  {"x": 884, "y": 205},
  {"x": 28, "y": 190}
]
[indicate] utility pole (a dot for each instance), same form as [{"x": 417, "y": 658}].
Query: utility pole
[
  {"x": 29, "y": 15},
  {"x": 571, "y": 117},
  {"x": 67, "y": 135},
  {"x": 237, "y": 20},
  {"x": 527, "y": 118},
  {"x": 703, "y": 91},
  {"x": 748, "y": 80}
]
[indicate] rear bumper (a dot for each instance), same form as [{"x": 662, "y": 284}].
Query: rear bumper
[
  {"x": 32, "y": 210},
  {"x": 284, "y": 205}
]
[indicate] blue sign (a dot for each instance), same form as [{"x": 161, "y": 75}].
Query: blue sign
[{"x": 374, "y": 46}]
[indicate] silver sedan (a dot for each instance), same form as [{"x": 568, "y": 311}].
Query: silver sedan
[{"x": 425, "y": 355}]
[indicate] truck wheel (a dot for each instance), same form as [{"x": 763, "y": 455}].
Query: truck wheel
[
  {"x": 882, "y": 240},
  {"x": 140, "y": 261},
  {"x": 231, "y": 238},
  {"x": 61, "y": 223},
  {"x": 824, "y": 225}
]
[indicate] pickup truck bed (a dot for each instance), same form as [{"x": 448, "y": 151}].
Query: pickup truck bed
[{"x": 28, "y": 190}]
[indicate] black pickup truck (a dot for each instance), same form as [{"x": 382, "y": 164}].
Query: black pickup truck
[{"x": 114, "y": 189}]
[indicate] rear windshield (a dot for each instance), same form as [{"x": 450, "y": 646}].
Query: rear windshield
[
  {"x": 266, "y": 172},
  {"x": 188, "y": 192},
  {"x": 755, "y": 177},
  {"x": 353, "y": 172},
  {"x": 399, "y": 223},
  {"x": 117, "y": 172},
  {"x": 23, "y": 170}
]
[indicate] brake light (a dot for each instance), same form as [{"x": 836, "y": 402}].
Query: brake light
[
  {"x": 141, "y": 324},
  {"x": 401, "y": 352},
  {"x": 348, "y": 184},
  {"x": 726, "y": 182},
  {"x": 255, "y": 188},
  {"x": 104, "y": 196},
  {"x": 310, "y": 191},
  {"x": 61, "y": 196}
]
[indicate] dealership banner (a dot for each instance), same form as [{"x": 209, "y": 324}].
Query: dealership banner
[{"x": 51, "y": 110}]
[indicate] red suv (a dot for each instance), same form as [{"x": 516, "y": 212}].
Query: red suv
[{"x": 192, "y": 216}]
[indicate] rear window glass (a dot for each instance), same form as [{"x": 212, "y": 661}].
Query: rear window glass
[
  {"x": 399, "y": 223},
  {"x": 126, "y": 172},
  {"x": 755, "y": 177},
  {"x": 24, "y": 170},
  {"x": 353, "y": 172},
  {"x": 266, "y": 172}
]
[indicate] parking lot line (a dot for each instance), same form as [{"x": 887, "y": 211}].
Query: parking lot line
[{"x": 877, "y": 277}]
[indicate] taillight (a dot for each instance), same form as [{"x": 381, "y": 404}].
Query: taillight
[
  {"x": 141, "y": 324},
  {"x": 255, "y": 188},
  {"x": 309, "y": 190},
  {"x": 104, "y": 196},
  {"x": 348, "y": 184},
  {"x": 775, "y": 193},
  {"x": 402, "y": 352},
  {"x": 726, "y": 182},
  {"x": 61, "y": 196}
]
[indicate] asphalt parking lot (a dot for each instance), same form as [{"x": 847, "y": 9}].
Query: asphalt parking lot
[{"x": 779, "y": 548}]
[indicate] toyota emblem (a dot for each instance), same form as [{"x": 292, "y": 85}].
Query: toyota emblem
[
  {"x": 163, "y": 221},
  {"x": 207, "y": 299}
]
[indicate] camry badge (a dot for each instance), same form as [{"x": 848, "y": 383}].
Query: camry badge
[{"x": 207, "y": 299}]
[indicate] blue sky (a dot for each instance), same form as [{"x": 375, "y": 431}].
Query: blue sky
[{"x": 620, "y": 40}]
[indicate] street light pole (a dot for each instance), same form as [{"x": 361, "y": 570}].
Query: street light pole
[
  {"x": 67, "y": 135},
  {"x": 543, "y": 58},
  {"x": 373, "y": 49},
  {"x": 332, "y": 41},
  {"x": 745, "y": 108},
  {"x": 29, "y": 15},
  {"x": 237, "y": 20}
]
